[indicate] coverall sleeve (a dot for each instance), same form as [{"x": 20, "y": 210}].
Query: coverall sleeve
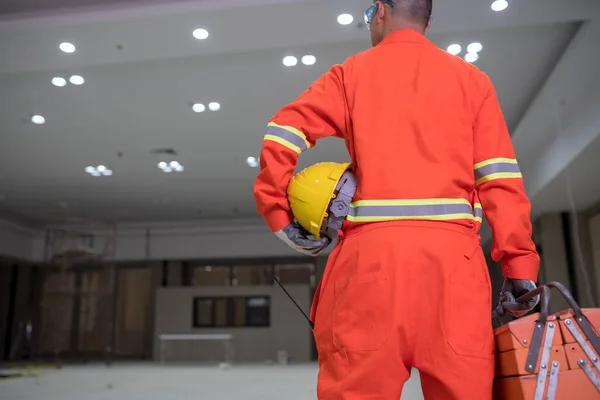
[
  {"x": 502, "y": 192},
  {"x": 319, "y": 112}
]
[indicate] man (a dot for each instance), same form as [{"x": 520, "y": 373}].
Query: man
[{"x": 407, "y": 285}]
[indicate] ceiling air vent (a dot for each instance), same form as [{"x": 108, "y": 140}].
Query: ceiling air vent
[{"x": 166, "y": 150}]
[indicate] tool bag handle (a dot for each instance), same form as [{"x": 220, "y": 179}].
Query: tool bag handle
[
  {"x": 580, "y": 319},
  {"x": 545, "y": 298},
  {"x": 544, "y": 290}
]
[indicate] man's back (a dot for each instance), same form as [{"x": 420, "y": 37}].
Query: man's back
[
  {"x": 413, "y": 108},
  {"x": 427, "y": 139}
]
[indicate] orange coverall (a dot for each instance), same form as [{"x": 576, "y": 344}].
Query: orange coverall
[{"x": 407, "y": 285}]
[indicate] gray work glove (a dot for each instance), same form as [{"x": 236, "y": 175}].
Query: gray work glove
[
  {"x": 511, "y": 290},
  {"x": 300, "y": 240}
]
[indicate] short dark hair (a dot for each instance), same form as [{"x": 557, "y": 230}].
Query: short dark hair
[{"x": 418, "y": 11}]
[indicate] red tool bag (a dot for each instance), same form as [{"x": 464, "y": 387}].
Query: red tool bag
[{"x": 551, "y": 357}]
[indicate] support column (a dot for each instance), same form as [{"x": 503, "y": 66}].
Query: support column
[
  {"x": 566, "y": 252},
  {"x": 22, "y": 314},
  {"x": 174, "y": 269},
  {"x": 594, "y": 231},
  {"x": 156, "y": 269},
  {"x": 5, "y": 281},
  {"x": 554, "y": 267},
  {"x": 583, "y": 260}
]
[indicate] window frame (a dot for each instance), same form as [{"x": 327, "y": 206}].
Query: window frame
[{"x": 230, "y": 311}]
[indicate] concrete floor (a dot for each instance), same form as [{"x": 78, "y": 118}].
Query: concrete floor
[{"x": 156, "y": 382}]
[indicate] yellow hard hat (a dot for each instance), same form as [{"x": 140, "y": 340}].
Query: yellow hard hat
[{"x": 311, "y": 191}]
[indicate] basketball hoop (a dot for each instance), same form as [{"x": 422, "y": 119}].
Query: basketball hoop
[
  {"x": 73, "y": 256},
  {"x": 76, "y": 243}
]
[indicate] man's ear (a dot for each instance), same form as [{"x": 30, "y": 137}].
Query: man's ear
[
  {"x": 428, "y": 25},
  {"x": 380, "y": 12}
]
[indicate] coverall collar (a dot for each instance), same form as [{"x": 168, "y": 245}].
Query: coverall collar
[{"x": 405, "y": 35}]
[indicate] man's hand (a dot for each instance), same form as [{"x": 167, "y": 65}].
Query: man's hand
[
  {"x": 300, "y": 240},
  {"x": 511, "y": 290}
]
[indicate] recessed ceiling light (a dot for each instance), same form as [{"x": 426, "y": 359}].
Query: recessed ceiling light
[
  {"x": 471, "y": 57},
  {"x": 100, "y": 170},
  {"x": 252, "y": 162},
  {"x": 58, "y": 81},
  {"x": 67, "y": 47},
  {"x": 199, "y": 107},
  {"x": 309, "y": 60},
  {"x": 475, "y": 47},
  {"x": 499, "y": 5},
  {"x": 200, "y": 34},
  {"x": 454, "y": 49},
  {"x": 290, "y": 61},
  {"x": 77, "y": 80},
  {"x": 38, "y": 119},
  {"x": 345, "y": 19},
  {"x": 170, "y": 167},
  {"x": 214, "y": 106}
]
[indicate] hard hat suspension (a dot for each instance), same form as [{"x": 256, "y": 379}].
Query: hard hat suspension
[{"x": 339, "y": 206}]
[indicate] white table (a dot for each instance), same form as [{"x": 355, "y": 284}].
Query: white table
[{"x": 225, "y": 339}]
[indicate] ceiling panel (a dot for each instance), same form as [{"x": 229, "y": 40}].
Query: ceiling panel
[{"x": 134, "y": 107}]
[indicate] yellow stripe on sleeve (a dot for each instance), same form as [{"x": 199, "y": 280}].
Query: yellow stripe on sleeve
[{"x": 499, "y": 175}]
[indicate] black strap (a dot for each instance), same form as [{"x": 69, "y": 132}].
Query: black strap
[{"x": 312, "y": 326}]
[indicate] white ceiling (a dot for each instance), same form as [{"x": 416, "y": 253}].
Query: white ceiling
[{"x": 138, "y": 98}]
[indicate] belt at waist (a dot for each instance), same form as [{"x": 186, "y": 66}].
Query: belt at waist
[{"x": 352, "y": 228}]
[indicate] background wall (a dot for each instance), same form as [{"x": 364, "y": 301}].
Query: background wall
[
  {"x": 155, "y": 241},
  {"x": 17, "y": 241},
  {"x": 144, "y": 287},
  {"x": 288, "y": 331}
]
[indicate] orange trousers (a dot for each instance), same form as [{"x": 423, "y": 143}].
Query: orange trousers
[{"x": 402, "y": 295}]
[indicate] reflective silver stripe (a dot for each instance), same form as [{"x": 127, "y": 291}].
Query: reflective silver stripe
[
  {"x": 478, "y": 212},
  {"x": 287, "y": 136},
  {"x": 496, "y": 168},
  {"x": 425, "y": 210}
]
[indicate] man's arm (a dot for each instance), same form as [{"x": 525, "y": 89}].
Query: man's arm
[
  {"x": 321, "y": 111},
  {"x": 502, "y": 192}
]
